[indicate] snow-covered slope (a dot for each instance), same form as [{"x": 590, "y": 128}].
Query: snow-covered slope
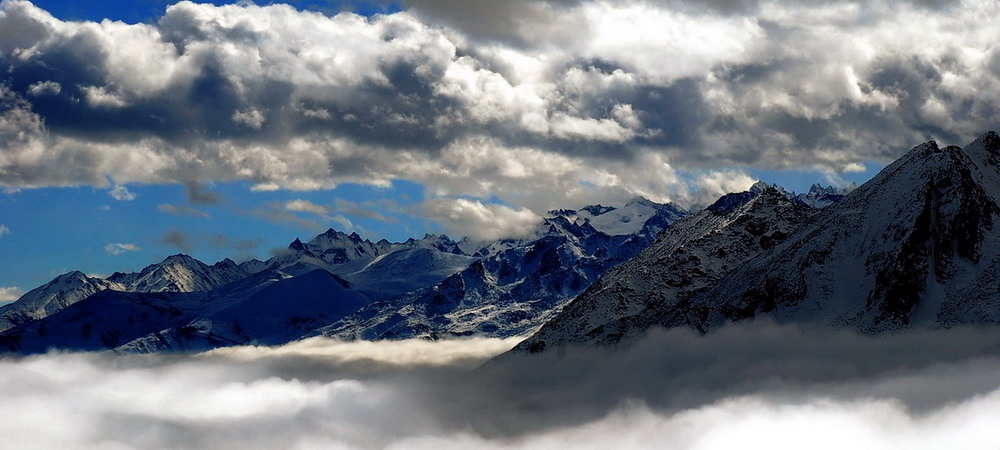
[
  {"x": 101, "y": 321},
  {"x": 332, "y": 250},
  {"x": 917, "y": 244},
  {"x": 297, "y": 259},
  {"x": 437, "y": 242},
  {"x": 252, "y": 266},
  {"x": 382, "y": 268},
  {"x": 515, "y": 288},
  {"x": 180, "y": 273},
  {"x": 505, "y": 293},
  {"x": 686, "y": 260},
  {"x": 406, "y": 270},
  {"x": 336, "y": 247},
  {"x": 629, "y": 219},
  {"x": 266, "y": 308},
  {"x": 342, "y": 253},
  {"x": 282, "y": 311},
  {"x": 177, "y": 273},
  {"x": 52, "y": 297}
]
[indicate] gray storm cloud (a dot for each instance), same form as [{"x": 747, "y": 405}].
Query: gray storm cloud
[
  {"x": 752, "y": 386},
  {"x": 608, "y": 99}
]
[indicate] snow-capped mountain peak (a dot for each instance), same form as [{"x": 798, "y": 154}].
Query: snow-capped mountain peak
[
  {"x": 641, "y": 201},
  {"x": 179, "y": 273},
  {"x": 733, "y": 200},
  {"x": 180, "y": 258},
  {"x": 818, "y": 196},
  {"x": 438, "y": 242},
  {"x": 821, "y": 197},
  {"x": 297, "y": 245},
  {"x": 596, "y": 210},
  {"x": 52, "y": 297},
  {"x": 817, "y": 189},
  {"x": 760, "y": 186},
  {"x": 628, "y": 219}
]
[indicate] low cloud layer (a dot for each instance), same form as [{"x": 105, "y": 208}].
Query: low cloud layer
[
  {"x": 383, "y": 355},
  {"x": 605, "y": 101},
  {"x": 756, "y": 385}
]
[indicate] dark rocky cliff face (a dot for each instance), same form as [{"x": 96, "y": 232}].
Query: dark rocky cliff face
[{"x": 954, "y": 219}]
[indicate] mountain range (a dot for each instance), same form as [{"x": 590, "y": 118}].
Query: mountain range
[
  {"x": 914, "y": 246},
  {"x": 326, "y": 285}
]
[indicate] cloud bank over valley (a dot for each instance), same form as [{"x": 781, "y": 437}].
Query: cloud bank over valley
[{"x": 753, "y": 384}]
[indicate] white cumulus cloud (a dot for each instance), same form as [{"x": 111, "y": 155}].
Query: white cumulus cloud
[
  {"x": 122, "y": 194},
  {"x": 45, "y": 88},
  {"x": 119, "y": 248},
  {"x": 252, "y": 118},
  {"x": 485, "y": 221},
  {"x": 305, "y": 206},
  {"x": 9, "y": 294}
]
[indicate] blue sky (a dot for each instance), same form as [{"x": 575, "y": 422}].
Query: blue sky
[
  {"x": 228, "y": 132},
  {"x": 135, "y": 11}
]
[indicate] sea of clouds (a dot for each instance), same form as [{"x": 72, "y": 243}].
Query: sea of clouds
[{"x": 752, "y": 386}]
